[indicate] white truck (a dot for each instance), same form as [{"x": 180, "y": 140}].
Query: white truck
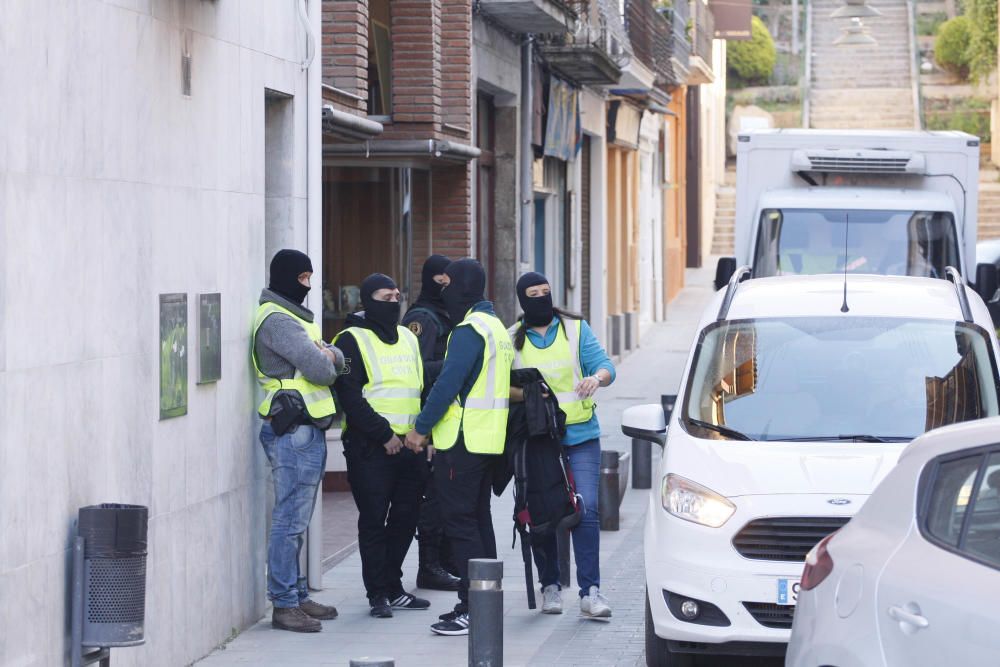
[{"x": 857, "y": 201}]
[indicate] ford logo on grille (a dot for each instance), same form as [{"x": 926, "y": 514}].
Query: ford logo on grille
[{"x": 839, "y": 501}]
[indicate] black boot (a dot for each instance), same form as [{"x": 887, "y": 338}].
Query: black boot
[
  {"x": 436, "y": 578},
  {"x": 431, "y": 575}
]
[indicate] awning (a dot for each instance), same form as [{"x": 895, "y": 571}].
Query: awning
[
  {"x": 343, "y": 125},
  {"x": 401, "y": 151},
  {"x": 624, "y": 122}
]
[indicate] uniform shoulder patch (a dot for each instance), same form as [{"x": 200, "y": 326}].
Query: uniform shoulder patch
[{"x": 416, "y": 328}]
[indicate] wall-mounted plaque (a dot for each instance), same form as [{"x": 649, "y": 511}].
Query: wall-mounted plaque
[
  {"x": 173, "y": 355},
  {"x": 209, "y": 337}
]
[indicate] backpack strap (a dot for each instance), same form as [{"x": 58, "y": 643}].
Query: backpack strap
[{"x": 526, "y": 557}]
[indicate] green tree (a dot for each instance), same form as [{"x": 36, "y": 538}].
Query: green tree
[
  {"x": 982, "y": 50},
  {"x": 752, "y": 61},
  {"x": 951, "y": 46}
]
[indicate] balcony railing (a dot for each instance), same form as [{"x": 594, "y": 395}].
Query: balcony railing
[
  {"x": 703, "y": 32},
  {"x": 659, "y": 39},
  {"x": 594, "y": 53}
]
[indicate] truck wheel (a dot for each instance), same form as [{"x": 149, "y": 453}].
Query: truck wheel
[{"x": 658, "y": 654}]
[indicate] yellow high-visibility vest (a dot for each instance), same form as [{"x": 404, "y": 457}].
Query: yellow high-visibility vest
[
  {"x": 483, "y": 417},
  {"x": 318, "y": 398},
  {"x": 395, "y": 376},
  {"x": 559, "y": 364}
]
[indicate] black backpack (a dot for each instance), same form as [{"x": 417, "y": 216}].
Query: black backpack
[{"x": 545, "y": 497}]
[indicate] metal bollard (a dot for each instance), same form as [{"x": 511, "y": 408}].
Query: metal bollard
[
  {"x": 485, "y": 612},
  {"x": 609, "y": 493},
  {"x": 562, "y": 545},
  {"x": 642, "y": 464},
  {"x": 372, "y": 662}
]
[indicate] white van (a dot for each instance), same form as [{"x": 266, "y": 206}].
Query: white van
[{"x": 798, "y": 397}]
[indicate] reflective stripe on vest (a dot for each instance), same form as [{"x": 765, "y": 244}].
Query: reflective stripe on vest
[
  {"x": 559, "y": 364},
  {"x": 317, "y": 398},
  {"x": 483, "y": 418},
  {"x": 395, "y": 376}
]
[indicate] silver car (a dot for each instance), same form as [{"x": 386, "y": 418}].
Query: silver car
[{"x": 914, "y": 578}]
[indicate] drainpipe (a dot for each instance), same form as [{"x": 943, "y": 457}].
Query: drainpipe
[
  {"x": 314, "y": 236},
  {"x": 527, "y": 121}
]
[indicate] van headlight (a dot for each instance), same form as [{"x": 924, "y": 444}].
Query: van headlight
[{"x": 693, "y": 502}]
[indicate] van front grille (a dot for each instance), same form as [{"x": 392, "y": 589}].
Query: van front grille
[
  {"x": 771, "y": 615},
  {"x": 784, "y": 538}
]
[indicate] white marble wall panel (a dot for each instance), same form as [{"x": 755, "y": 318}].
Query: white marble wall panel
[
  {"x": 4, "y": 217},
  {"x": 114, "y": 188}
]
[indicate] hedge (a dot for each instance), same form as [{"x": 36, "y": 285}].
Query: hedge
[
  {"x": 951, "y": 47},
  {"x": 752, "y": 61}
]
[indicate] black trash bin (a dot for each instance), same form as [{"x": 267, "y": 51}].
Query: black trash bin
[{"x": 114, "y": 574}]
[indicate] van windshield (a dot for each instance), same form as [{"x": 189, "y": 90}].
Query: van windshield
[
  {"x": 838, "y": 378},
  {"x": 894, "y": 243}
]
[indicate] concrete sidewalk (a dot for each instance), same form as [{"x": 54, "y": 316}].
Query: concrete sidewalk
[{"x": 530, "y": 638}]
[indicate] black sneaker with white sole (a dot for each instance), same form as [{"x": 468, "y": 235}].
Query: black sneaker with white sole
[
  {"x": 451, "y": 615},
  {"x": 459, "y": 625},
  {"x": 404, "y": 600}
]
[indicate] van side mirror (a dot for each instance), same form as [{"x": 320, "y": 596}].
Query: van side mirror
[
  {"x": 668, "y": 401},
  {"x": 987, "y": 281},
  {"x": 645, "y": 422},
  {"x": 724, "y": 270}
]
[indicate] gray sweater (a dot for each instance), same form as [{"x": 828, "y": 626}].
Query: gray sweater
[{"x": 282, "y": 346}]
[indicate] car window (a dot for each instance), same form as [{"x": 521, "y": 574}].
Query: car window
[
  {"x": 829, "y": 378},
  {"x": 982, "y": 537},
  {"x": 950, "y": 498},
  {"x": 896, "y": 243}
]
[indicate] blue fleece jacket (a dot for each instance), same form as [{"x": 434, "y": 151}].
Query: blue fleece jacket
[
  {"x": 592, "y": 359},
  {"x": 459, "y": 372}
]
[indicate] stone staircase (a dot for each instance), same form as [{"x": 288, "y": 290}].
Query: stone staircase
[
  {"x": 861, "y": 87},
  {"x": 725, "y": 216},
  {"x": 989, "y": 203}
]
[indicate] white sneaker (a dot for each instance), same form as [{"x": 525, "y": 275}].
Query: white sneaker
[
  {"x": 551, "y": 600},
  {"x": 595, "y": 605}
]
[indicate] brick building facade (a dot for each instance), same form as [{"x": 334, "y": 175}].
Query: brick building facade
[{"x": 404, "y": 191}]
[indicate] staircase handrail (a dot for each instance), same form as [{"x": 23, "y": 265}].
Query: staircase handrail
[
  {"x": 918, "y": 115},
  {"x": 807, "y": 78}
]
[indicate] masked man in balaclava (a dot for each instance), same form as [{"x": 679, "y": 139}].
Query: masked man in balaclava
[
  {"x": 295, "y": 369},
  {"x": 466, "y": 412},
  {"x": 428, "y": 319},
  {"x": 379, "y": 395}
]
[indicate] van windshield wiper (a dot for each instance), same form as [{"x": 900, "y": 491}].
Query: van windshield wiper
[
  {"x": 852, "y": 437},
  {"x": 732, "y": 434}
]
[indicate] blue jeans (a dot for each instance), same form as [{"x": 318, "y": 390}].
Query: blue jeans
[
  {"x": 298, "y": 460},
  {"x": 585, "y": 462}
]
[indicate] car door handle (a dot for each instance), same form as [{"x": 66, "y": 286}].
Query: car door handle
[{"x": 903, "y": 615}]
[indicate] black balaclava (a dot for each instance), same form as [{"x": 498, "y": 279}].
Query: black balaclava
[
  {"x": 430, "y": 290},
  {"x": 286, "y": 267},
  {"x": 468, "y": 283},
  {"x": 383, "y": 315},
  {"x": 538, "y": 310}
]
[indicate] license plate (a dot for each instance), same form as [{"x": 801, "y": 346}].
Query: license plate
[{"x": 788, "y": 591}]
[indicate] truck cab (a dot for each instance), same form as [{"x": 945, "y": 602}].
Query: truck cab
[{"x": 898, "y": 203}]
